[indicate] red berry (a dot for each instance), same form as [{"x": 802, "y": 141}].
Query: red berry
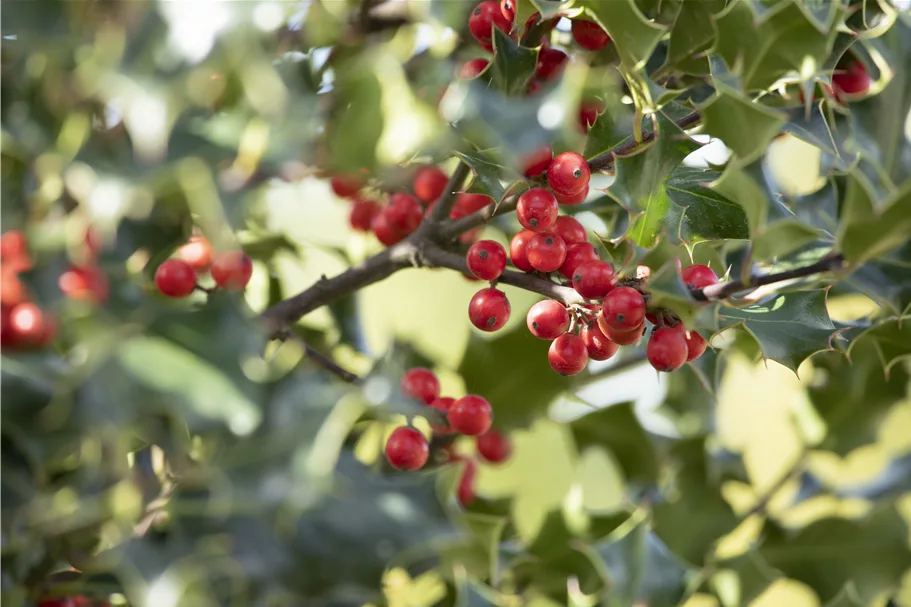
[
  {"x": 572, "y": 199},
  {"x": 346, "y": 185},
  {"x": 594, "y": 279},
  {"x": 699, "y": 276},
  {"x": 537, "y": 210},
  {"x": 589, "y": 35},
  {"x": 232, "y": 270},
  {"x": 551, "y": 62},
  {"x": 12, "y": 291},
  {"x": 695, "y": 343},
  {"x": 471, "y": 236},
  {"x": 666, "y": 350},
  {"x": 442, "y": 404},
  {"x": 622, "y": 338},
  {"x": 175, "y": 278},
  {"x": 197, "y": 252},
  {"x": 421, "y": 384},
  {"x": 470, "y": 415},
  {"x": 471, "y": 69},
  {"x": 486, "y": 259},
  {"x": 548, "y": 319},
  {"x": 29, "y": 326},
  {"x": 546, "y": 252},
  {"x": 652, "y": 318},
  {"x": 588, "y": 113},
  {"x": 404, "y": 213},
  {"x": 466, "y": 204},
  {"x": 544, "y": 28},
  {"x": 568, "y": 174},
  {"x": 518, "y": 250},
  {"x": 623, "y": 309},
  {"x": 534, "y": 87},
  {"x": 494, "y": 446},
  {"x": 385, "y": 233},
  {"x": 465, "y": 493},
  {"x": 569, "y": 229},
  {"x": 598, "y": 345},
  {"x": 362, "y": 214},
  {"x": 429, "y": 183},
  {"x": 87, "y": 283},
  {"x": 483, "y": 19},
  {"x": 407, "y": 449},
  {"x": 567, "y": 354},
  {"x": 536, "y": 163},
  {"x": 850, "y": 78},
  {"x": 577, "y": 254},
  {"x": 489, "y": 309},
  {"x": 508, "y": 10},
  {"x": 13, "y": 246}
]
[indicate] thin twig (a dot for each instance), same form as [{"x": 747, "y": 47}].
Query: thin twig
[
  {"x": 452, "y": 229},
  {"x": 723, "y": 290},
  {"x": 443, "y": 206},
  {"x": 324, "y": 361},
  {"x": 605, "y": 161}
]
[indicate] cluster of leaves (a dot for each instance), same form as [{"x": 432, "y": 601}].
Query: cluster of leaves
[{"x": 167, "y": 453}]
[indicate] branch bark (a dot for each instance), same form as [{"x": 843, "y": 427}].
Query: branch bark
[
  {"x": 605, "y": 161},
  {"x": 723, "y": 290}
]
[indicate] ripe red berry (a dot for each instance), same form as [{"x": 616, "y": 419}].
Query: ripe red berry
[
  {"x": 623, "y": 309},
  {"x": 666, "y": 350},
  {"x": 699, "y": 276},
  {"x": 594, "y": 279},
  {"x": 551, "y": 62},
  {"x": 508, "y": 10},
  {"x": 471, "y": 69},
  {"x": 346, "y": 185},
  {"x": 589, "y": 35},
  {"x": 385, "y": 233},
  {"x": 362, "y": 214},
  {"x": 429, "y": 183},
  {"x": 13, "y": 245},
  {"x": 568, "y": 174},
  {"x": 486, "y": 259},
  {"x": 577, "y": 254},
  {"x": 537, "y": 210},
  {"x": 622, "y": 338},
  {"x": 407, "y": 449},
  {"x": 569, "y": 229},
  {"x": 175, "y": 278},
  {"x": 588, "y": 113},
  {"x": 403, "y": 213},
  {"x": 572, "y": 199},
  {"x": 483, "y": 19},
  {"x": 466, "y": 204},
  {"x": 518, "y": 250},
  {"x": 567, "y": 354},
  {"x": 695, "y": 343},
  {"x": 546, "y": 252},
  {"x": 494, "y": 446},
  {"x": 421, "y": 384},
  {"x": 465, "y": 492},
  {"x": 28, "y": 325},
  {"x": 471, "y": 415},
  {"x": 442, "y": 404},
  {"x": 850, "y": 78},
  {"x": 489, "y": 309},
  {"x": 87, "y": 283},
  {"x": 598, "y": 345},
  {"x": 12, "y": 291},
  {"x": 536, "y": 163},
  {"x": 232, "y": 270},
  {"x": 197, "y": 252},
  {"x": 548, "y": 319}
]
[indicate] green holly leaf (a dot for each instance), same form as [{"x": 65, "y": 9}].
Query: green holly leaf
[
  {"x": 789, "y": 327},
  {"x": 490, "y": 173},
  {"x": 693, "y": 32},
  {"x": 667, "y": 290},
  {"x": 846, "y": 598},
  {"x": 512, "y": 66},
  {"x": 753, "y": 573},
  {"x": 886, "y": 280},
  {"x": 892, "y": 338},
  {"x": 550, "y": 8},
  {"x": 744, "y": 126},
  {"x": 868, "y": 230},
  {"x": 617, "y": 429},
  {"x": 641, "y": 177},
  {"x": 698, "y": 213},
  {"x": 814, "y": 127},
  {"x": 634, "y": 36},
  {"x": 609, "y": 130},
  {"x": 871, "y": 552},
  {"x": 357, "y": 125}
]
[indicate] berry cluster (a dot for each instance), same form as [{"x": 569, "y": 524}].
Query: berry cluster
[
  {"x": 177, "y": 276},
  {"x": 408, "y": 449}
]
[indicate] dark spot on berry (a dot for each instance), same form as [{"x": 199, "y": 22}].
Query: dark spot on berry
[
  {"x": 549, "y": 240},
  {"x": 491, "y": 321},
  {"x": 477, "y": 11},
  {"x": 577, "y": 173},
  {"x": 620, "y": 317},
  {"x": 483, "y": 254},
  {"x": 533, "y": 222},
  {"x": 534, "y": 323},
  {"x": 577, "y": 277}
]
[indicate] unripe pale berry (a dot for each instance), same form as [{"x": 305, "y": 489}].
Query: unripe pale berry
[
  {"x": 567, "y": 354},
  {"x": 551, "y": 62},
  {"x": 569, "y": 229},
  {"x": 404, "y": 213},
  {"x": 537, "y": 210},
  {"x": 666, "y": 350},
  {"x": 362, "y": 214},
  {"x": 568, "y": 174},
  {"x": 384, "y": 232},
  {"x": 699, "y": 276},
  {"x": 197, "y": 252},
  {"x": 518, "y": 250},
  {"x": 489, "y": 309},
  {"x": 577, "y": 254},
  {"x": 548, "y": 319},
  {"x": 622, "y": 338},
  {"x": 471, "y": 69},
  {"x": 598, "y": 345},
  {"x": 407, "y": 449},
  {"x": 470, "y": 415},
  {"x": 175, "y": 278},
  {"x": 546, "y": 252},
  {"x": 232, "y": 270},
  {"x": 594, "y": 279},
  {"x": 589, "y": 35},
  {"x": 536, "y": 163},
  {"x": 486, "y": 259},
  {"x": 623, "y": 309},
  {"x": 421, "y": 384},
  {"x": 429, "y": 183},
  {"x": 494, "y": 446}
]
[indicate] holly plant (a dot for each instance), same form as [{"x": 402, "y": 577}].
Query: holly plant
[{"x": 240, "y": 241}]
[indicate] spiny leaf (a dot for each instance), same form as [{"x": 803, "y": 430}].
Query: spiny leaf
[
  {"x": 753, "y": 573},
  {"x": 692, "y": 31},
  {"x": 789, "y": 327},
  {"x": 744, "y": 126},
  {"x": 892, "y": 338},
  {"x": 490, "y": 173},
  {"x": 512, "y": 66},
  {"x": 667, "y": 290},
  {"x": 868, "y": 232},
  {"x": 699, "y": 213},
  {"x": 887, "y": 280},
  {"x": 634, "y": 36}
]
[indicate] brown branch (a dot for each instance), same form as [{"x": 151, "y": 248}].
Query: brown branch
[
  {"x": 451, "y": 229},
  {"x": 605, "y": 161},
  {"x": 324, "y": 361},
  {"x": 723, "y": 290},
  {"x": 440, "y": 211}
]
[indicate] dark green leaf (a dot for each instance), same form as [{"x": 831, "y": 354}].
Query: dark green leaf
[
  {"x": 846, "y": 598},
  {"x": 699, "y": 213},
  {"x": 868, "y": 232},
  {"x": 886, "y": 280},
  {"x": 753, "y": 573},
  {"x": 692, "y": 31},
  {"x": 745, "y": 127},
  {"x": 892, "y": 338},
  {"x": 634, "y": 36},
  {"x": 617, "y": 429},
  {"x": 357, "y": 120},
  {"x": 512, "y": 66},
  {"x": 490, "y": 173}
]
